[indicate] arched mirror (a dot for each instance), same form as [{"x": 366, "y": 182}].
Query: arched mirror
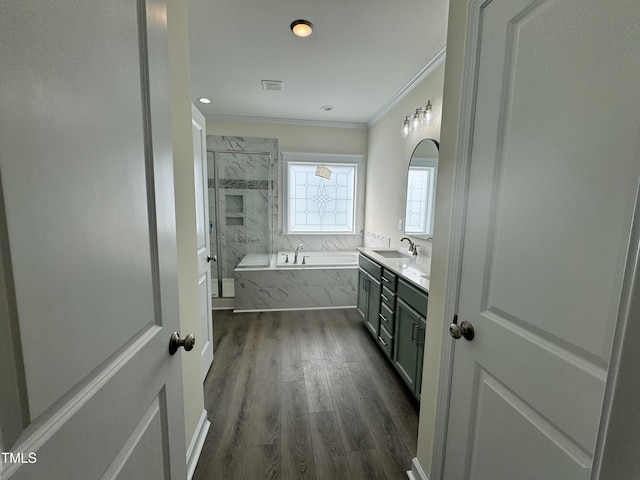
[{"x": 421, "y": 189}]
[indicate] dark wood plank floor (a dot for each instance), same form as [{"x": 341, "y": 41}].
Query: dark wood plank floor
[{"x": 304, "y": 395}]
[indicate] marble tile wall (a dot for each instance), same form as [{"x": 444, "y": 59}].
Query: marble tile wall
[
  {"x": 247, "y": 199},
  {"x": 250, "y": 176},
  {"x": 373, "y": 240},
  {"x": 283, "y": 289}
]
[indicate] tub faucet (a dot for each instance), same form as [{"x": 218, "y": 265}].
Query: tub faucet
[
  {"x": 295, "y": 256},
  {"x": 412, "y": 246}
]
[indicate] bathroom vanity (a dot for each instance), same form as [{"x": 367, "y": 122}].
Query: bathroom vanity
[{"x": 393, "y": 291}]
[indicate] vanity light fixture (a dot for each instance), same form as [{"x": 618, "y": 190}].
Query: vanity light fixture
[
  {"x": 204, "y": 100},
  {"x": 423, "y": 116},
  {"x": 302, "y": 28},
  {"x": 427, "y": 114},
  {"x": 406, "y": 128}
]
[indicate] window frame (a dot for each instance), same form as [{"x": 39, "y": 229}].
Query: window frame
[{"x": 325, "y": 160}]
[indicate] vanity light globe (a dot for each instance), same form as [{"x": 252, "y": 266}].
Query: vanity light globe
[
  {"x": 427, "y": 114},
  {"x": 405, "y": 128},
  {"x": 415, "y": 124}
]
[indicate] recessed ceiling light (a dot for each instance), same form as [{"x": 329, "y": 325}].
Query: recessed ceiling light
[
  {"x": 204, "y": 100},
  {"x": 302, "y": 28},
  {"x": 327, "y": 108}
]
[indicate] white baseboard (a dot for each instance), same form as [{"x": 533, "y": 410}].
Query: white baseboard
[
  {"x": 196, "y": 444},
  {"x": 416, "y": 472}
]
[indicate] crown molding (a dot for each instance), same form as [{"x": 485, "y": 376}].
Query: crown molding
[
  {"x": 421, "y": 75},
  {"x": 285, "y": 121}
]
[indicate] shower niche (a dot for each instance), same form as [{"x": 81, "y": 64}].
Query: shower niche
[{"x": 234, "y": 210}]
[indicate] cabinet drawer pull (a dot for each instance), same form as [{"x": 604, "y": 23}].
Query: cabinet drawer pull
[
  {"x": 384, "y": 319},
  {"x": 413, "y": 331},
  {"x": 382, "y": 341},
  {"x": 384, "y": 297},
  {"x": 420, "y": 342},
  {"x": 385, "y": 280}
]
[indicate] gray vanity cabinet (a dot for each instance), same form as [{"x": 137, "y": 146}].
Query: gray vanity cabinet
[
  {"x": 409, "y": 345},
  {"x": 369, "y": 289},
  {"x": 394, "y": 311},
  {"x": 409, "y": 335}
]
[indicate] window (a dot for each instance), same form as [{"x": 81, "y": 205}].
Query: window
[
  {"x": 320, "y": 193},
  {"x": 421, "y": 189}
]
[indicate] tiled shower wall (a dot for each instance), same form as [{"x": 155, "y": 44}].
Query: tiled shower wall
[
  {"x": 245, "y": 201},
  {"x": 238, "y": 244}
]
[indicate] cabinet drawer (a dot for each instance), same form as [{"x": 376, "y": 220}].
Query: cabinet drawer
[
  {"x": 388, "y": 298},
  {"x": 385, "y": 340},
  {"x": 386, "y": 317},
  {"x": 371, "y": 267},
  {"x": 416, "y": 299},
  {"x": 389, "y": 279}
]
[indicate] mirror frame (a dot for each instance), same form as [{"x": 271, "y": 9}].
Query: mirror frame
[{"x": 425, "y": 236}]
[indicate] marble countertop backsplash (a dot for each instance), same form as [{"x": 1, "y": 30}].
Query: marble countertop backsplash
[{"x": 415, "y": 269}]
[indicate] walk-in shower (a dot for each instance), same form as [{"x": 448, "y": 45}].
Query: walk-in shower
[{"x": 240, "y": 211}]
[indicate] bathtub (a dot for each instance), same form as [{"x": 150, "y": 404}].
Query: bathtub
[
  {"x": 328, "y": 279},
  {"x": 315, "y": 259}
]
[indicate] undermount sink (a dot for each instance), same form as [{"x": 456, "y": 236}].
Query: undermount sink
[{"x": 391, "y": 254}]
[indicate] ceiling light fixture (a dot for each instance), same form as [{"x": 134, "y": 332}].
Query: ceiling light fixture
[
  {"x": 204, "y": 100},
  {"x": 302, "y": 28},
  {"x": 327, "y": 108},
  {"x": 422, "y": 117}
]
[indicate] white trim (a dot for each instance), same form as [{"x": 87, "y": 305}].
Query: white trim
[
  {"x": 322, "y": 157},
  {"x": 462, "y": 164},
  {"x": 196, "y": 444},
  {"x": 255, "y": 310},
  {"x": 416, "y": 472},
  {"x": 285, "y": 121},
  {"x": 421, "y": 75}
]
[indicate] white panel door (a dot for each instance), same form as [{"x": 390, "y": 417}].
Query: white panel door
[
  {"x": 203, "y": 232},
  {"x": 89, "y": 251},
  {"x": 554, "y": 170}
]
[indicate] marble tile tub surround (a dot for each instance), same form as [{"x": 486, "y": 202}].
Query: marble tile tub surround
[
  {"x": 316, "y": 242},
  {"x": 416, "y": 269},
  {"x": 286, "y": 289}
]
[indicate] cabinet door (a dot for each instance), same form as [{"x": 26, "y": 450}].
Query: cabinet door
[
  {"x": 405, "y": 344},
  {"x": 372, "y": 318},
  {"x": 362, "y": 293}
]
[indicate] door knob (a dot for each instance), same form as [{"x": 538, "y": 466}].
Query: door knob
[
  {"x": 175, "y": 342},
  {"x": 455, "y": 331},
  {"x": 465, "y": 329},
  {"x": 211, "y": 258}
]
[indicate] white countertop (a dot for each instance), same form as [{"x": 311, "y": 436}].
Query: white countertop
[{"x": 415, "y": 269}]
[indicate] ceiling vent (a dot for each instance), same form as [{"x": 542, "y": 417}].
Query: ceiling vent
[{"x": 273, "y": 85}]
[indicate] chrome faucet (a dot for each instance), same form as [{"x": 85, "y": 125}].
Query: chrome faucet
[
  {"x": 413, "y": 248},
  {"x": 295, "y": 256}
]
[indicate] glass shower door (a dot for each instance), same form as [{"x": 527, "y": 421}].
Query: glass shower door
[{"x": 240, "y": 199}]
